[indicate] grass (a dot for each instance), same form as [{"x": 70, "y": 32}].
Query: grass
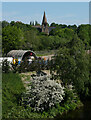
[
  {"x": 45, "y": 53},
  {"x": 12, "y": 89}
]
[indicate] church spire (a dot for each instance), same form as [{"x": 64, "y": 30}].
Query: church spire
[
  {"x": 44, "y": 21},
  {"x": 45, "y": 28}
]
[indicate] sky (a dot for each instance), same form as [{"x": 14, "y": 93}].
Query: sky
[{"x": 59, "y": 12}]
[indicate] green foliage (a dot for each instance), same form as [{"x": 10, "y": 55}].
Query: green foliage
[
  {"x": 12, "y": 23},
  {"x": 31, "y": 23},
  {"x": 11, "y": 93},
  {"x": 26, "y": 113},
  {"x": 53, "y": 25},
  {"x": 36, "y": 23},
  {"x": 83, "y": 32},
  {"x": 74, "y": 27},
  {"x": 4, "y": 24},
  {"x": 12, "y": 38},
  {"x": 5, "y": 66},
  {"x": 65, "y": 33},
  {"x": 22, "y": 26},
  {"x": 71, "y": 64},
  {"x": 36, "y": 65},
  {"x": 17, "y": 35},
  {"x": 31, "y": 39},
  {"x": 12, "y": 109}
]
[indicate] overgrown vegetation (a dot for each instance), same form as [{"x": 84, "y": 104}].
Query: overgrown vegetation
[
  {"x": 43, "y": 94},
  {"x": 11, "y": 93},
  {"x": 17, "y": 104},
  {"x": 13, "y": 109},
  {"x": 71, "y": 65},
  {"x": 30, "y": 38}
]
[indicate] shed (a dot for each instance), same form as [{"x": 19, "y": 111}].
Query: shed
[{"x": 21, "y": 54}]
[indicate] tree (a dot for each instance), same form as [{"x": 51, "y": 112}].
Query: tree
[
  {"x": 31, "y": 23},
  {"x": 65, "y": 33},
  {"x": 4, "y": 23},
  {"x": 12, "y": 38},
  {"x": 36, "y": 23},
  {"x": 53, "y": 25},
  {"x": 71, "y": 64},
  {"x": 63, "y": 26},
  {"x": 31, "y": 39},
  {"x": 84, "y": 32},
  {"x": 72, "y": 26},
  {"x": 12, "y": 23}
]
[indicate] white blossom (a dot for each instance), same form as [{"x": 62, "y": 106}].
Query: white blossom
[{"x": 43, "y": 93}]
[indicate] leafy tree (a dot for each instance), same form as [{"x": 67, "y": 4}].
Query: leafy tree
[
  {"x": 65, "y": 33},
  {"x": 36, "y": 40},
  {"x": 71, "y": 64},
  {"x": 62, "y": 32},
  {"x": 63, "y": 26},
  {"x": 83, "y": 32},
  {"x": 12, "y": 23},
  {"x": 12, "y": 38},
  {"x": 73, "y": 27},
  {"x": 31, "y": 39},
  {"x": 53, "y": 25},
  {"x": 21, "y": 25},
  {"x": 4, "y": 23},
  {"x": 32, "y": 23},
  {"x": 36, "y": 23}
]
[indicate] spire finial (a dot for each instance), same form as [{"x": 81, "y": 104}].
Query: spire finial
[{"x": 44, "y": 19}]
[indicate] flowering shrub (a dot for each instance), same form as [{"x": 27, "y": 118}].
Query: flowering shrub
[{"x": 43, "y": 93}]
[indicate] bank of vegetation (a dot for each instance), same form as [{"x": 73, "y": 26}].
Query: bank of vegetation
[
  {"x": 17, "y": 35},
  {"x": 70, "y": 71},
  {"x": 16, "y": 100}
]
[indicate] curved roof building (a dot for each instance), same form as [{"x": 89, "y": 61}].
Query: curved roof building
[{"x": 21, "y": 54}]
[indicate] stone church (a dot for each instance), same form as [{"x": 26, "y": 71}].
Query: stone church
[{"x": 44, "y": 27}]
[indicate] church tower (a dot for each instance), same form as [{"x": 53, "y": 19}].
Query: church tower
[{"x": 45, "y": 25}]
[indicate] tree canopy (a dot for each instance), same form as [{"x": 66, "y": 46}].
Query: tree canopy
[
  {"x": 12, "y": 38},
  {"x": 71, "y": 64},
  {"x": 17, "y": 35}
]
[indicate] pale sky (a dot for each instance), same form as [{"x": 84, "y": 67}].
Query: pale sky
[{"x": 58, "y": 12}]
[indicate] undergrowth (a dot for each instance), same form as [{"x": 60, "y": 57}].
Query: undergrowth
[{"x": 11, "y": 93}]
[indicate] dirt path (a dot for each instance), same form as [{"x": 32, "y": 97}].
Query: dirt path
[{"x": 26, "y": 77}]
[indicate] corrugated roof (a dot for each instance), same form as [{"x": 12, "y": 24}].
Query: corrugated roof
[{"x": 18, "y": 53}]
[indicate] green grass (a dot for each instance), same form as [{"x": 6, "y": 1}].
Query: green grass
[
  {"x": 11, "y": 92},
  {"x": 45, "y": 53}
]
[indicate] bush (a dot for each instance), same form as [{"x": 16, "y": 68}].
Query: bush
[
  {"x": 43, "y": 94},
  {"x": 36, "y": 65},
  {"x": 5, "y": 66}
]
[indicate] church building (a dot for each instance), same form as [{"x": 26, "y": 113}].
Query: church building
[{"x": 44, "y": 27}]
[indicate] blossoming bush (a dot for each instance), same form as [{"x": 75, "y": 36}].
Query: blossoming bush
[{"x": 43, "y": 94}]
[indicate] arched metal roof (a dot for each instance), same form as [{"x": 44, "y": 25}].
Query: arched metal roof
[{"x": 18, "y": 53}]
